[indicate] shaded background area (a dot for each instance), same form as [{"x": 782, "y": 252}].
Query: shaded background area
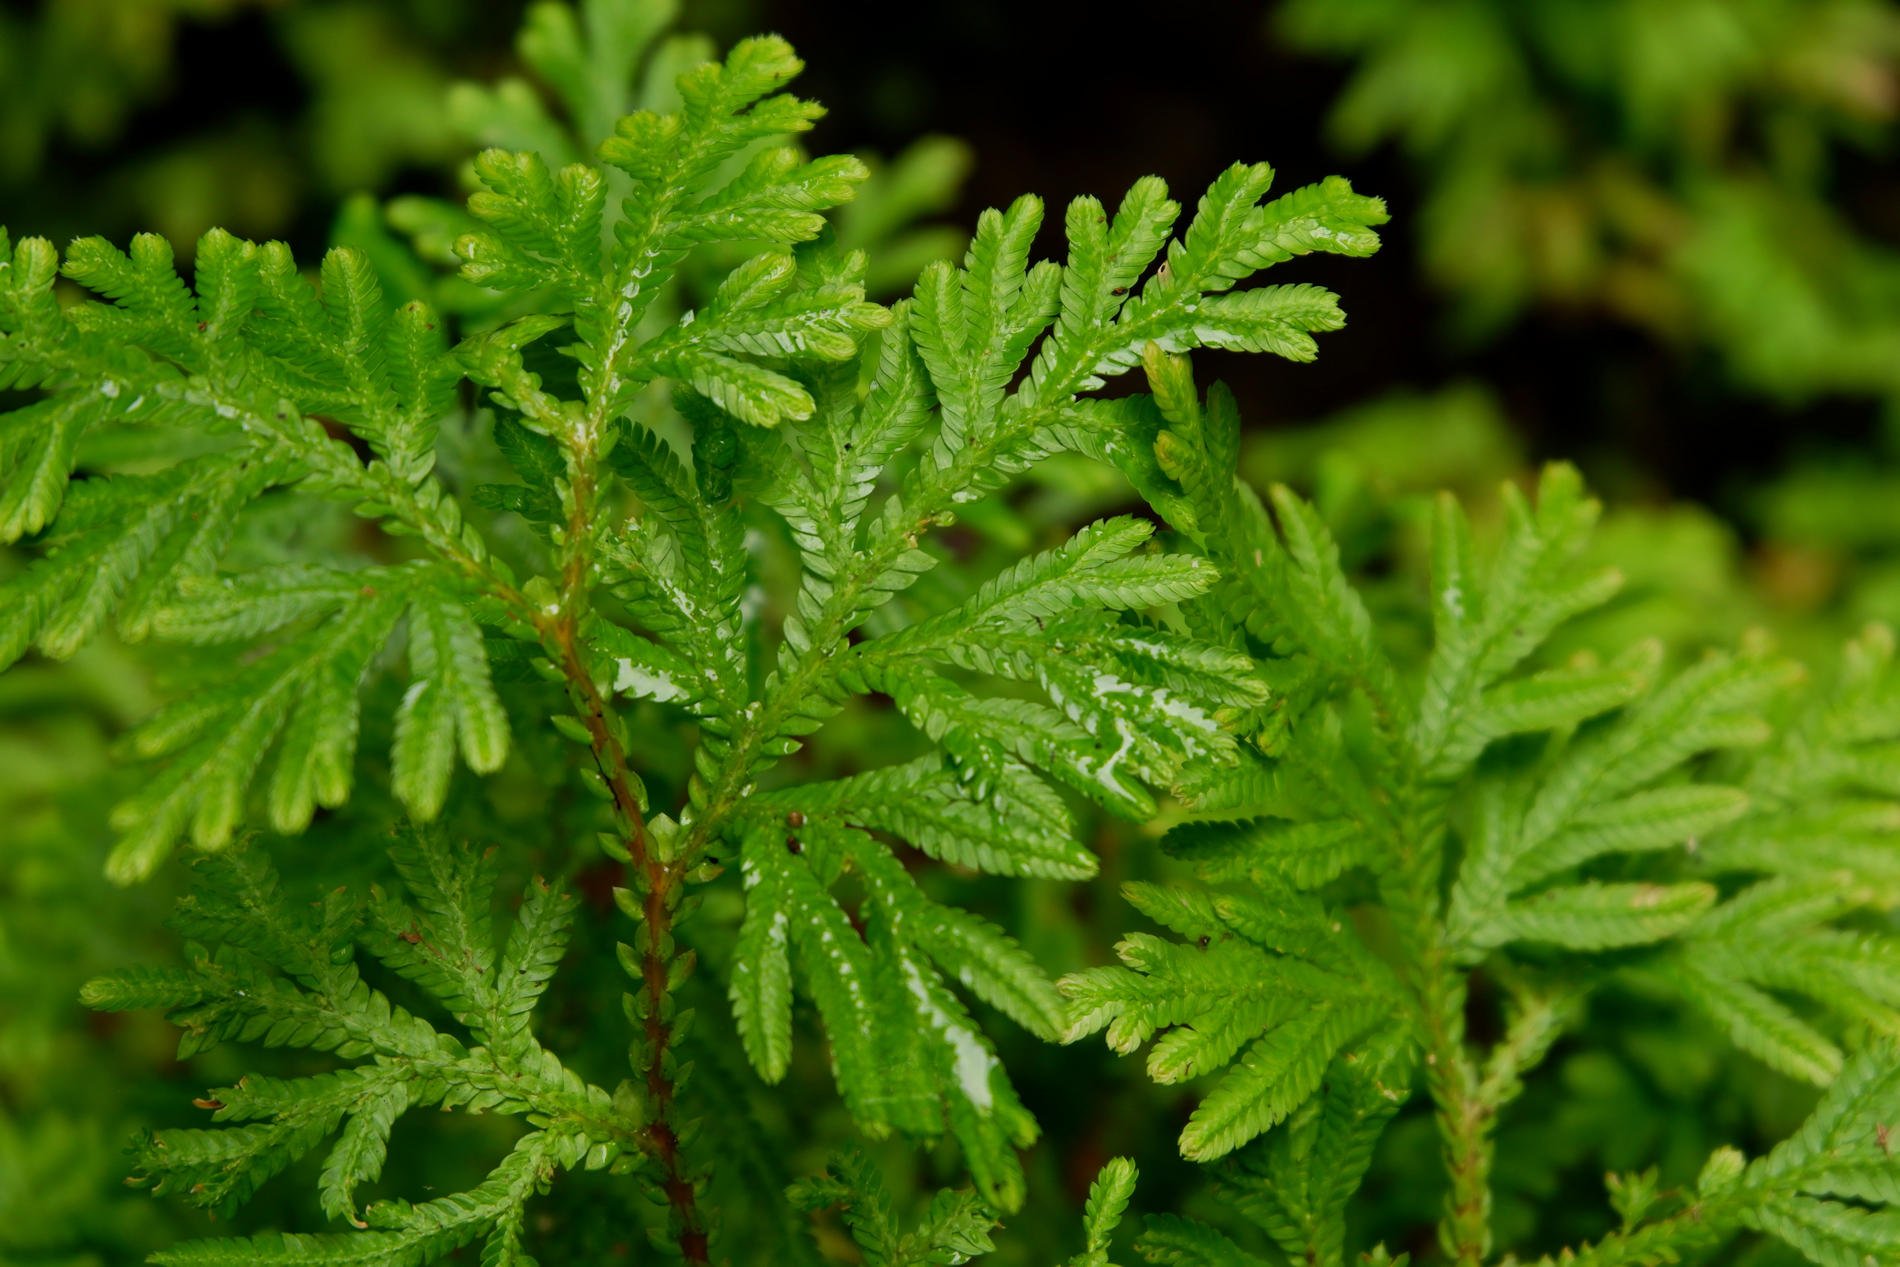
[
  {"x": 1060, "y": 105},
  {"x": 1659, "y": 236},
  {"x": 264, "y": 114}
]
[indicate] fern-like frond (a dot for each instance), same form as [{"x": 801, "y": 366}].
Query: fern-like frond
[
  {"x": 1269, "y": 986},
  {"x": 253, "y": 367},
  {"x": 1828, "y": 1192},
  {"x": 904, "y": 1050},
  {"x": 955, "y": 1228},
  {"x": 322, "y": 630},
  {"x": 265, "y": 969},
  {"x": 632, "y": 565},
  {"x": 1509, "y": 813}
]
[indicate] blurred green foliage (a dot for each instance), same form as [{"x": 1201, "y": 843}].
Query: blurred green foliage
[
  {"x": 1693, "y": 169},
  {"x": 1674, "y": 162},
  {"x": 103, "y": 116}
]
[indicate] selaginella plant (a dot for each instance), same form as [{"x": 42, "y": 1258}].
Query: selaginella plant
[
  {"x": 598, "y": 574},
  {"x": 1404, "y": 825},
  {"x": 171, "y": 424}
]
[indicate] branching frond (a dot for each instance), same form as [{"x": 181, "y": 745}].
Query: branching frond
[
  {"x": 265, "y": 969},
  {"x": 675, "y": 356},
  {"x": 956, "y": 1227},
  {"x": 1510, "y": 813}
]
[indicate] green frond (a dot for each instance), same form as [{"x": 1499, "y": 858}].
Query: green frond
[
  {"x": 1096, "y": 570},
  {"x": 835, "y": 968},
  {"x": 685, "y": 575},
  {"x": 360, "y": 1150},
  {"x": 1295, "y": 1185},
  {"x": 1821, "y": 795},
  {"x": 1270, "y": 991},
  {"x": 990, "y": 963},
  {"x": 766, "y": 308},
  {"x": 1015, "y": 826},
  {"x": 442, "y": 938},
  {"x": 398, "y": 1235},
  {"x": 284, "y": 975},
  {"x": 537, "y": 460},
  {"x": 450, "y": 703},
  {"x": 1487, "y": 621},
  {"x": 300, "y": 702},
  {"x": 534, "y": 950},
  {"x": 1597, "y": 795},
  {"x": 885, "y": 987},
  {"x": 219, "y": 1169},
  {"x": 666, "y": 339},
  {"x": 761, "y": 987},
  {"x": 1131, "y": 705},
  {"x": 1594, "y": 916},
  {"x": 1109, "y": 1195},
  {"x": 850, "y": 1181},
  {"x": 121, "y": 550},
  {"x": 1503, "y": 805},
  {"x": 1308, "y": 853},
  {"x": 543, "y": 228},
  {"x": 1410, "y": 828},
  {"x": 1180, "y": 1242},
  {"x": 1775, "y": 942},
  {"x": 955, "y": 1228},
  {"x": 249, "y": 362},
  {"x": 680, "y": 200},
  {"x": 1827, "y": 1192},
  {"x": 1272, "y": 1078},
  {"x": 1325, "y": 613}
]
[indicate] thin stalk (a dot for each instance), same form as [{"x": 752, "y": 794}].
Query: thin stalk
[
  {"x": 654, "y": 879},
  {"x": 1464, "y": 1115},
  {"x": 1439, "y": 991}
]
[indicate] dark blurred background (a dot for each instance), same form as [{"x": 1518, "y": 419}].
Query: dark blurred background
[{"x": 1515, "y": 143}]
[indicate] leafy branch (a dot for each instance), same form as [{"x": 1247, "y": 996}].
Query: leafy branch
[
  {"x": 263, "y": 969},
  {"x": 1556, "y": 827},
  {"x": 862, "y": 429}
]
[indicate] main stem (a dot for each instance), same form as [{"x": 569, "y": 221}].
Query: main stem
[
  {"x": 1451, "y": 1076},
  {"x": 1464, "y": 1115},
  {"x": 654, "y": 880}
]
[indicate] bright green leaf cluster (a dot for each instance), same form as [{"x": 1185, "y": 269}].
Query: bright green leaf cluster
[
  {"x": 653, "y": 477},
  {"x": 1103, "y": 704}
]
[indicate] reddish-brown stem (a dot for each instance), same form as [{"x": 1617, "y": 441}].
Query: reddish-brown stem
[
  {"x": 652, "y": 878},
  {"x": 655, "y": 881}
]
